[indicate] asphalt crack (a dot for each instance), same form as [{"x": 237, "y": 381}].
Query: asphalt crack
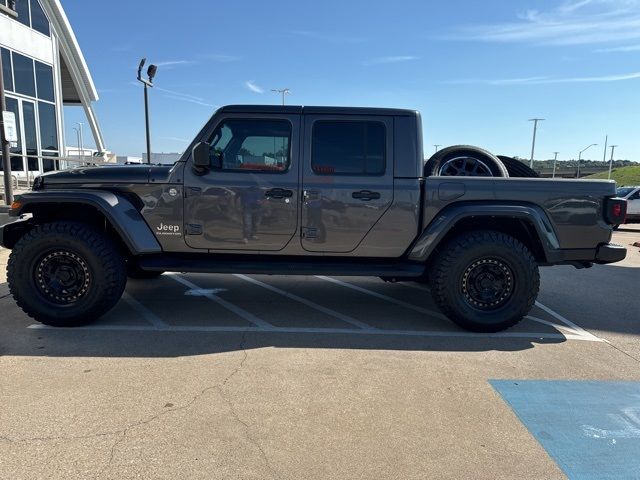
[{"x": 122, "y": 433}]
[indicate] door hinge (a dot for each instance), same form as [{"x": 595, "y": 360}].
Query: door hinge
[
  {"x": 309, "y": 232},
  {"x": 192, "y": 191},
  {"x": 194, "y": 229}
]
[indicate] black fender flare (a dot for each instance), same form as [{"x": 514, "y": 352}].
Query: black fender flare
[
  {"x": 442, "y": 224},
  {"x": 120, "y": 212}
]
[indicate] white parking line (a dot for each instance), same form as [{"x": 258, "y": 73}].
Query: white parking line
[
  {"x": 308, "y": 303},
  {"x": 331, "y": 331},
  {"x": 249, "y": 317},
  {"x": 569, "y": 323},
  {"x": 384, "y": 297},
  {"x": 147, "y": 314}
]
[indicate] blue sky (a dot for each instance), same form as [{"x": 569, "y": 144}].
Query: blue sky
[{"x": 477, "y": 70}]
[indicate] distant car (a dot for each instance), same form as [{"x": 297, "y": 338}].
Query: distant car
[{"x": 632, "y": 196}]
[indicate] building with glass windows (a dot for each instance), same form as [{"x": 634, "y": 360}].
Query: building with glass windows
[{"x": 43, "y": 70}]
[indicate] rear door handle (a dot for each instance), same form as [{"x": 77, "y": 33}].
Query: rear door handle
[
  {"x": 366, "y": 195},
  {"x": 278, "y": 193}
]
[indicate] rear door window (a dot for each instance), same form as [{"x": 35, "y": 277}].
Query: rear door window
[{"x": 348, "y": 148}]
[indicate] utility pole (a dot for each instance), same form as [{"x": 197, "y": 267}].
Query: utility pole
[
  {"x": 437, "y": 147},
  {"x": 282, "y": 91},
  {"x": 533, "y": 143},
  {"x": 6, "y": 159},
  {"x": 613, "y": 147},
  {"x": 555, "y": 161},
  {"x": 604, "y": 154}
]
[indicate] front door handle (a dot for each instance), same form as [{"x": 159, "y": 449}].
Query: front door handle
[
  {"x": 365, "y": 195},
  {"x": 278, "y": 193}
]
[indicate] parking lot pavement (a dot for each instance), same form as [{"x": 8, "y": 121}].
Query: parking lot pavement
[{"x": 248, "y": 376}]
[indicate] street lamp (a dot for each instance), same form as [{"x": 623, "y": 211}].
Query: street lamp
[
  {"x": 533, "y": 143},
  {"x": 151, "y": 72},
  {"x": 613, "y": 147},
  {"x": 282, "y": 91},
  {"x": 555, "y": 160},
  {"x": 437, "y": 147},
  {"x": 580, "y": 155}
]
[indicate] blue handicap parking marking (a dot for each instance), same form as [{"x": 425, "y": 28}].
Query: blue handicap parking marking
[{"x": 591, "y": 429}]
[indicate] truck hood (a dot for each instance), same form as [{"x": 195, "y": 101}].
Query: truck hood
[{"x": 107, "y": 174}]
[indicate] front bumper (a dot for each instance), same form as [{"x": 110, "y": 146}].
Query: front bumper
[{"x": 610, "y": 253}]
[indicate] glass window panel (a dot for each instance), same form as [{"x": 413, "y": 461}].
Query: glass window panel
[
  {"x": 23, "y": 73},
  {"x": 16, "y": 162},
  {"x": 7, "y": 70},
  {"x": 39, "y": 20},
  {"x": 44, "y": 80},
  {"x": 48, "y": 126},
  {"x": 49, "y": 164},
  {"x": 253, "y": 145},
  {"x": 348, "y": 148},
  {"x": 22, "y": 8},
  {"x": 30, "y": 135}
]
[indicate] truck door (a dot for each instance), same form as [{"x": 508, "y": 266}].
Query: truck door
[
  {"x": 347, "y": 180},
  {"x": 249, "y": 199}
]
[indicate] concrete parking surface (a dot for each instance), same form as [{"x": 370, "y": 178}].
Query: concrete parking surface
[{"x": 234, "y": 376}]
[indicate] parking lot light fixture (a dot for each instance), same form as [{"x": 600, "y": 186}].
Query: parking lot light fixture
[
  {"x": 555, "y": 161},
  {"x": 151, "y": 72},
  {"x": 533, "y": 143},
  {"x": 282, "y": 91},
  {"x": 612, "y": 147},
  {"x": 580, "y": 156}
]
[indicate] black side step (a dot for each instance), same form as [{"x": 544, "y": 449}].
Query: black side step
[{"x": 264, "y": 265}]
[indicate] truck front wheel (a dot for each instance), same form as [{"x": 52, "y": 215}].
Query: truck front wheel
[
  {"x": 65, "y": 274},
  {"x": 485, "y": 281}
]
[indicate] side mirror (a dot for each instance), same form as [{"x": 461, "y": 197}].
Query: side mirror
[{"x": 200, "y": 154}]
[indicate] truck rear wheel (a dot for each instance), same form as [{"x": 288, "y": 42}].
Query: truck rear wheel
[
  {"x": 485, "y": 281},
  {"x": 65, "y": 274}
]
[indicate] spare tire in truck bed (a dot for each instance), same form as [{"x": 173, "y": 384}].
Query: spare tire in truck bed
[
  {"x": 464, "y": 161},
  {"x": 517, "y": 169}
]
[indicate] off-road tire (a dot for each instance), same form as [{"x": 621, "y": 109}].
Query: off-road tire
[
  {"x": 439, "y": 160},
  {"x": 135, "y": 272},
  {"x": 102, "y": 263},
  {"x": 450, "y": 275},
  {"x": 517, "y": 169}
]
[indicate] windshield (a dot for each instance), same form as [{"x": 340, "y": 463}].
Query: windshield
[{"x": 624, "y": 191}]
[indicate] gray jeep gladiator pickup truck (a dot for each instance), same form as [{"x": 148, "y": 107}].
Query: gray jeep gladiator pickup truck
[{"x": 308, "y": 190}]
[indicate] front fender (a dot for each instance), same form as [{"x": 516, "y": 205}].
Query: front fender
[
  {"x": 121, "y": 214},
  {"x": 451, "y": 215}
]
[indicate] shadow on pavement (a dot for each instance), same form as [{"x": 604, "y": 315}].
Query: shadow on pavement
[{"x": 91, "y": 343}]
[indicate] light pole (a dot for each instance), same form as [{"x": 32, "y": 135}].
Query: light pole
[
  {"x": 533, "y": 143},
  {"x": 613, "y": 147},
  {"x": 580, "y": 156},
  {"x": 555, "y": 160},
  {"x": 4, "y": 144},
  {"x": 282, "y": 91},
  {"x": 437, "y": 147},
  {"x": 151, "y": 72}
]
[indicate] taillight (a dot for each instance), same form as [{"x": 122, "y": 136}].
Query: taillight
[{"x": 615, "y": 211}]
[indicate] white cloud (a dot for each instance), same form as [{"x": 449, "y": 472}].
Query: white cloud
[
  {"x": 573, "y": 22},
  {"x": 625, "y": 48},
  {"x": 184, "y": 97},
  {"x": 328, "y": 36},
  {"x": 383, "y": 60},
  {"x": 253, "y": 87},
  {"x": 549, "y": 80},
  {"x": 168, "y": 64}
]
